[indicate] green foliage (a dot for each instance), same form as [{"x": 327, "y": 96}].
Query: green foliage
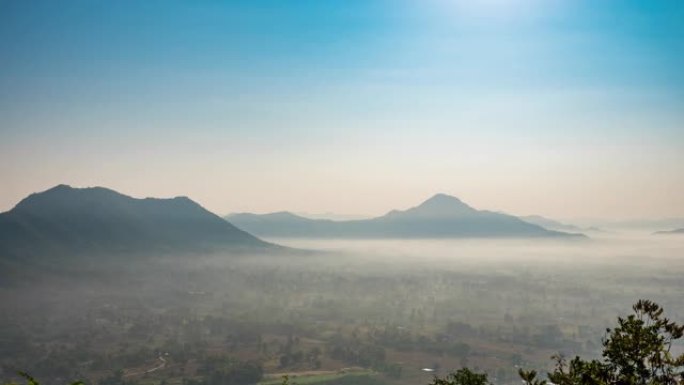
[
  {"x": 462, "y": 376},
  {"x": 636, "y": 352},
  {"x": 355, "y": 380},
  {"x": 344, "y": 380},
  {"x": 529, "y": 377}
]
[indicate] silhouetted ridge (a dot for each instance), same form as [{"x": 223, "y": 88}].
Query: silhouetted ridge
[
  {"x": 550, "y": 224},
  {"x": 444, "y": 200},
  {"x": 441, "y": 216},
  {"x": 67, "y": 220},
  {"x": 675, "y": 231},
  {"x": 440, "y": 205}
]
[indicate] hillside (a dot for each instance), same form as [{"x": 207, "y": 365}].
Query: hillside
[{"x": 71, "y": 221}]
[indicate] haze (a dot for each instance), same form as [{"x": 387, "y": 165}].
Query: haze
[{"x": 341, "y": 192}]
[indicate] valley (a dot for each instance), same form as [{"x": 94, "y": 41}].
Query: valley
[{"x": 386, "y": 309}]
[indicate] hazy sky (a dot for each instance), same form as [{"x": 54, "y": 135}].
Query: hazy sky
[{"x": 560, "y": 108}]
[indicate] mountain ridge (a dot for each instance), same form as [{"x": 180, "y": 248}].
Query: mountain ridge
[
  {"x": 440, "y": 216},
  {"x": 670, "y": 232},
  {"x": 64, "y": 220}
]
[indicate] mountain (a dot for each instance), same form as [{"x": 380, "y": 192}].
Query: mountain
[
  {"x": 671, "y": 232},
  {"x": 332, "y": 216},
  {"x": 72, "y": 221},
  {"x": 441, "y": 216},
  {"x": 652, "y": 224},
  {"x": 552, "y": 224},
  {"x": 285, "y": 224}
]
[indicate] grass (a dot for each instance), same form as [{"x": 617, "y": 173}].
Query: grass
[{"x": 316, "y": 378}]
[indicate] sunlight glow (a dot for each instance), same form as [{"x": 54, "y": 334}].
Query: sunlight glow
[{"x": 492, "y": 9}]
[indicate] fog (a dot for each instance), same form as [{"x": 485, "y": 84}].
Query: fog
[{"x": 386, "y": 308}]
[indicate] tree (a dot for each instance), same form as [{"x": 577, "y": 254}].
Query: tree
[
  {"x": 529, "y": 377},
  {"x": 636, "y": 352},
  {"x": 462, "y": 376}
]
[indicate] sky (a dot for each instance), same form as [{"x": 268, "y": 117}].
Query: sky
[{"x": 553, "y": 107}]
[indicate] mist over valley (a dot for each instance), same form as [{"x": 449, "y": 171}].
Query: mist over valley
[{"x": 340, "y": 192}]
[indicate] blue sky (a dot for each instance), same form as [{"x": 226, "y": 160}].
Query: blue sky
[{"x": 562, "y": 108}]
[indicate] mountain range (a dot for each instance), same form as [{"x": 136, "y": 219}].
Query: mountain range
[
  {"x": 635, "y": 224},
  {"x": 65, "y": 221},
  {"x": 671, "y": 232},
  {"x": 552, "y": 224},
  {"x": 71, "y": 221},
  {"x": 441, "y": 216}
]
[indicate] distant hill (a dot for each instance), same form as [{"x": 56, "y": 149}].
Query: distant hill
[
  {"x": 332, "y": 216},
  {"x": 671, "y": 232},
  {"x": 552, "y": 224},
  {"x": 634, "y": 224},
  {"x": 71, "y": 221},
  {"x": 441, "y": 216},
  {"x": 286, "y": 224}
]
